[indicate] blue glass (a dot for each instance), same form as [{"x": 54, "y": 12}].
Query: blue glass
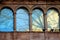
[
  {"x": 22, "y": 20},
  {"x": 6, "y": 20},
  {"x": 37, "y": 20},
  {"x": 53, "y": 20}
]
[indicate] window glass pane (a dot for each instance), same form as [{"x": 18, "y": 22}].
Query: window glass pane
[
  {"x": 6, "y": 20},
  {"x": 22, "y": 20},
  {"x": 37, "y": 20},
  {"x": 53, "y": 20}
]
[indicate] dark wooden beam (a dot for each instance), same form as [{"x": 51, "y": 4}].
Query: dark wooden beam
[{"x": 28, "y": 0}]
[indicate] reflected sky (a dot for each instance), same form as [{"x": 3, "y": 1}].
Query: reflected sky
[
  {"x": 37, "y": 20},
  {"x": 22, "y": 20},
  {"x": 52, "y": 19},
  {"x": 6, "y": 20}
]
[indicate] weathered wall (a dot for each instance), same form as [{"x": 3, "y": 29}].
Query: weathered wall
[{"x": 30, "y": 35}]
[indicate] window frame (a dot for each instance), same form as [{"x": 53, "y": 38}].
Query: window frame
[
  {"x": 6, "y": 7},
  {"x": 56, "y": 10},
  {"x": 24, "y": 8},
  {"x": 44, "y": 7},
  {"x": 43, "y": 17}
]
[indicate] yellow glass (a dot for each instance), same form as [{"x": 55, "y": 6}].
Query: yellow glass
[{"x": 53, "y": 20}]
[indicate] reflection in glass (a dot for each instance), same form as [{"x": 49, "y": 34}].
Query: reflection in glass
[
  {"x": 53, "y": 20},
  {"x": 6, "y": 20},
  {"x": 37, "y": 20},
  {"x": 22, "y": 20}
]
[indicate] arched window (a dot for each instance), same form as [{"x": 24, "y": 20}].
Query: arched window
[
  {"x": 6, "y": 20},
  {"x": 37, "y": 20},
  {"x": 52, "y": 20},
  {"x": 22, "y": 20}
]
